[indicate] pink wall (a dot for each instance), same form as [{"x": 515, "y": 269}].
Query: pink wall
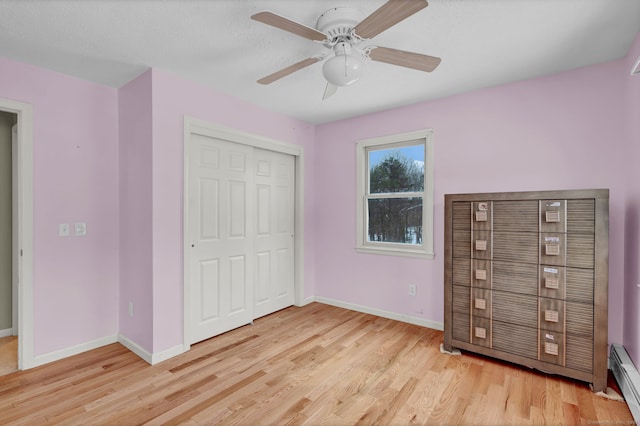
[
  {"x": 632, "y": 228},
  {"x": 75, "y": 143},
  {"x": 113, "y": 158},
  {"x": 560, "y": 132},
  {"x": 173, "y": 98},
  {"x": 136, "y": 243}
]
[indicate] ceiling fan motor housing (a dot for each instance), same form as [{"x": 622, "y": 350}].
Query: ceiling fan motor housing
[{"x": 338, "y": 22}]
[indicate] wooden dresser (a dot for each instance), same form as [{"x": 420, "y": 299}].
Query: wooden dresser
[{"x": 526, "y": 279}]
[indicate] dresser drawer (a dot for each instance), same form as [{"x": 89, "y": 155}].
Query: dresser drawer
[
  {"x": 515, "y": 216},
  {"x": 515, "y": 277},
  {"x": 580, "y": 284},
  {"x": 461, "y": 299},
  {"x": 553, "y": 216},
  {"x": 515, "y": 246},
  {"x": 580, "y": 251},
  {"x": 460, "y": 326},
  {"x": 481, "y": 245},
  {"x": 579, "y": 353},
  {"x": 579, "y": 319},
  {"x": 461, "y": 244},
  {"x": 481, "y": 218},
  {"x": 461, "y": 216},
  {"x": 481, "y": 272},
  {"x": 581, "y": 216},
  {"x": 515, "y": 339},
  {"x": 552, "y": 282},
  {"x": 552, "y": 314},
  {"x": 515, "y": 308},
  {"x": 552, "y": 347},
  {"x": 481, "y": 331},
  {"x": 461, "y": 272},
  {"x": 553, "y": 248},
  {"x": 481, "y": 302}
]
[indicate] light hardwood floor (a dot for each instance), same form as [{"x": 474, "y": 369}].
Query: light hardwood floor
[
  {"x": 8, "y": 355},
  {"x": 312, "y": 365}
]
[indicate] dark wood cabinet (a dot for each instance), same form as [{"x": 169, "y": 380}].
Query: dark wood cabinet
[{"x": 526, "y": 279}]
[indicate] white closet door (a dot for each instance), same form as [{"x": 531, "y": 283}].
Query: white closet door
[
  {"x": 221, "y": 236},
  {"x": 274, "y": 231}
]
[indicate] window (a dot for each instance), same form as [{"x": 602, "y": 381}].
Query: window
[{"x": 395, "y": 195}]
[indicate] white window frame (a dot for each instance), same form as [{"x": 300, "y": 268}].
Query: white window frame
[{"x": 425, "y": 250}]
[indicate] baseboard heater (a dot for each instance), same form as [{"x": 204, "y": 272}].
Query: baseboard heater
[{"x": 627, "y": 376}]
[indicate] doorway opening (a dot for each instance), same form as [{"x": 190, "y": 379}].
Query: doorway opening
[
  {"x": 16, "y": 233},
  {"x": 8, "y": 242}
]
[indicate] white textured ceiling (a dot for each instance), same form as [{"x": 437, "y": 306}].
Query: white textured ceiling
[{"x": 482, "y": 43}]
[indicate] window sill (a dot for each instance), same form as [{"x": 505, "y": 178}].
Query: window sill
[{"x": 396, "y": 252}]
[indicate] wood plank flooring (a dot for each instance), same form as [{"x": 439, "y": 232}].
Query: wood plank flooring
[
  {"x": 312, "y": 365},
  {"x": 8, "y": 355}
]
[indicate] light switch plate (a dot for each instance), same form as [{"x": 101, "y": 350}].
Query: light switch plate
[
  {"x": 81, "y": 229},
  {"x": 63, "y": 230}
]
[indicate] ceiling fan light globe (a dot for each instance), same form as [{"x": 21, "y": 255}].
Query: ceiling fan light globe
[{"x": 342, "y": 70}]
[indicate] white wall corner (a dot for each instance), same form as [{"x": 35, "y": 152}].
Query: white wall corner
[
  {"x": 74, "y": 350},
  {"x": 135, "y": 348},
  {"x": 150, "y": 358},
  {"x": 164, "y": 355},
  {"x": 306, "y": 301}
]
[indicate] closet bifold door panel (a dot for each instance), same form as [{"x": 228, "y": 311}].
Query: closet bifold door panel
[{"x": 526, "y": 279}]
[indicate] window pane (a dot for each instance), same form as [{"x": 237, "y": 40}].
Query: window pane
[
  {"x": 395, "y": 220},
  {"x": 396, "y": 169}
]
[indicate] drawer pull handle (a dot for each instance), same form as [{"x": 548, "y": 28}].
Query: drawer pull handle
[
  {"x": 481, "y": 304},
  {"x": 481, "y": 245},
  {"x": 552, "y": 249},
  {"x": 552, "y": 283},
  {"x": 481, "y": 216},
  {"x": 552, "y": 216},
  {"x": 551, "y": 348},
  {"x": 481, "y": 333},
  {"x": 481, "y": 274},
  {"x": 551, "y": 316}
]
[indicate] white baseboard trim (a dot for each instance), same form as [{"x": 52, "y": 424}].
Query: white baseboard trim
[
  {"x": 306, "y": 301},
  {"x": 628, "y": 378},
  {"x": 135, "y": 348},
  {"x": 167, "y": 353},
  {"x": 6, "y": 333},
  {"x": 436, "y": 325},
  {"x": 74, "y": 350},
  {"x": 150, "y": 358}
]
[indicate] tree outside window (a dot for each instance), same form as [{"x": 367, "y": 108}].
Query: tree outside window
[{"x": 395, "y": 192}]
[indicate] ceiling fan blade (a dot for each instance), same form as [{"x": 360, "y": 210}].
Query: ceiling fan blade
[
  {"x": 387, "y": 16},
  {"x": 329, "y": 91},
  {"x": 270, "y": 18},
  {"x": 417, "y": 61},
  {"x": 288, "y": 70}
]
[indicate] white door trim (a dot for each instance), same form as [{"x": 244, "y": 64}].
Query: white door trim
[
  {"x": 200, "y": 127},
  {"x": 25, "y": 229}
]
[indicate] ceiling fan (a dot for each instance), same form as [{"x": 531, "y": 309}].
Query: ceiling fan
[{"x": 341, "y": 30}]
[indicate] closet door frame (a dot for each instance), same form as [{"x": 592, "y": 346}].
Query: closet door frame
[{"x": 201, "y": 127}]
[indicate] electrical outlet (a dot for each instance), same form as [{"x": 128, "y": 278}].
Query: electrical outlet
[
  {"x": 131, "y": 309},
  {"x": 412, "y": 289},
  {"x": 81, "y": 229}
]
